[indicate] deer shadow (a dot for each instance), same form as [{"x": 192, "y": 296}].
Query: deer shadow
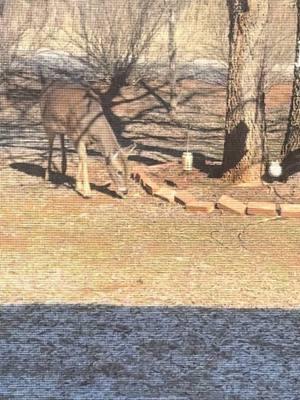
[{"x": 58, "y": 179}]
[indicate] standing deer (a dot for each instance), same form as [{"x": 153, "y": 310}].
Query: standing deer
[{"x": 75, "y": 111}]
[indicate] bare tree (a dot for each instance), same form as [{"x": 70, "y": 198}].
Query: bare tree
[
  {"x": 245, "y": 117},
  {"x": 279, "y": 32},
  {"x": 291, "y": 147},
  {"x": 214, "y": 23},
  {"x": 175, "y": 9},
  {"x": 278, "y": 52},
  {"x": 113, "y": 37},
  {"x": 172, "y": 6}
]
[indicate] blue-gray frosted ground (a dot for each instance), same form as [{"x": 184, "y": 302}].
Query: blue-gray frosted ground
[{"x": 98, "y": 352}]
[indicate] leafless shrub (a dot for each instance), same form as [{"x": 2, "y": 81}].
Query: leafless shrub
[
  {"x": 17, "y": 20},
  {"x": 11, "y": 32},
  {"x": 113, "y": 36}
]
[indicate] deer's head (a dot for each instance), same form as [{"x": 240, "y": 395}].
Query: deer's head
[{"x": 118, "y": 169}]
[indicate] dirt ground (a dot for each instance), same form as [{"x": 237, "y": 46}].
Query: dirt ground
[{"x": 57, "y": 247}]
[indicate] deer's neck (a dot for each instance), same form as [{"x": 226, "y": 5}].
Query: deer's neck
[{"x": 105, "y": 139}]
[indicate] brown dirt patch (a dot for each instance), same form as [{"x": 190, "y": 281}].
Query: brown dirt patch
[{"x": 278, "y": 96}]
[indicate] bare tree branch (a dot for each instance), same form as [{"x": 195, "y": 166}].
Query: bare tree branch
[{"x": 112, "y": 37}]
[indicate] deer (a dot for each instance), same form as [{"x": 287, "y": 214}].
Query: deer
[{"x": 75, "y": 111}]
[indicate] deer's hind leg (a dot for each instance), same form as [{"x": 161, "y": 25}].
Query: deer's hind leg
[
  {"x": 50, "y": 152},
  {"x": 64, "y": 155},
  {"x": 82, "y": 177}
]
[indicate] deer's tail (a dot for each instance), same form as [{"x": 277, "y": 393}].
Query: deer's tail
[{"x": 42, "y": 77}]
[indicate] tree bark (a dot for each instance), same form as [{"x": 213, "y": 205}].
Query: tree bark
[
  {"x": 173, "y": 56},
  {"x": 290, "y": 151},
  {"x": 244, "y": 147}
]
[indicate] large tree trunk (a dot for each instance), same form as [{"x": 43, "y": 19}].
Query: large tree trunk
[
  {"x": 244, "y": 146},
  {"x": 172, "y": 56},
  {"x": 291, "y": 147}
]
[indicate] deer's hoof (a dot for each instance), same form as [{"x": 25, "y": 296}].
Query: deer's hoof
[{"x": 85, "y": 195}]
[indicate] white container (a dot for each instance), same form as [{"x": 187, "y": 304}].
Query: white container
[
  {"x": 187, "y": 161},
  {"x": 275, "y": 169}
]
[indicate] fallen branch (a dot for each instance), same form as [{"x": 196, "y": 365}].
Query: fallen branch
[{"x": 265, "y": 220}]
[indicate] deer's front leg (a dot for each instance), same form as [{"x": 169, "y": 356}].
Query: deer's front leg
[
  {"x": 83, "y": 186},
  {"x": 79, "y": 185}
]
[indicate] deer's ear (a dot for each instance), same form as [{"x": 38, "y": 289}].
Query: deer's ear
[{"x": 128, "y": 150}]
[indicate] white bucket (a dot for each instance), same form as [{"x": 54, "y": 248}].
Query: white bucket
[{"x": 187, "y": 161}]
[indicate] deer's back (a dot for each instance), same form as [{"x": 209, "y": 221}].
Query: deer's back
[{"x": 73, "y": 110}]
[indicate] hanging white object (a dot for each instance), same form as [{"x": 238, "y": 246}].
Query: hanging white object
[
  {"x": 187, "y": 161},
  {"x": 275, "y": 169},
  {"x": 187, "y": 156}
]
